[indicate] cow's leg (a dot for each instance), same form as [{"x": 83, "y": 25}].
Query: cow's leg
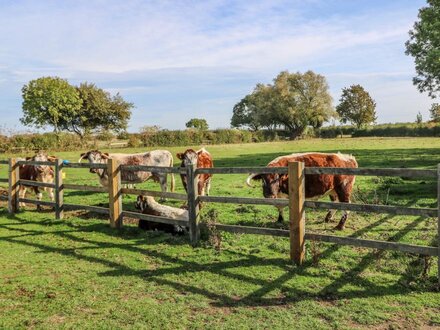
[
  {"x": 344, "y": 197},
  {"x": 331, "y": 212},
  {"x": 280, "y": 213},
  {"x": 39, "y": 197},
  {"x": 163, "y": 185},
  {"x": 208, "y": 186},
  {"x": 22, "y": 194}
]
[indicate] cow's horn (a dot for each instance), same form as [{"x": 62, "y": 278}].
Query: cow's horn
[{"x": 249, "y": 178}]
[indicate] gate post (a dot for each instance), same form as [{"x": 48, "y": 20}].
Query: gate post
[
  {"x": 193, "y": 204},
  {"x": 296, "y": 211},
  {"x": 114, "y": 193},
  {"x": 59, "y": 190},
  {"x": 13, "y": 194}
]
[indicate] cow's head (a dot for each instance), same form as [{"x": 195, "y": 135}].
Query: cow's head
[
  {"x": 140, "y": 202},
  {"x": 41, "y": 156},
  {"x": 94, "y": 157},
  {"x": 189, "y": 157},
  {"x": 273, "y": 183}
]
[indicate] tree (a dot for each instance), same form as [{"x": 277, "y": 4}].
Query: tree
[
  {"x": 294, "y": 100},
  {"x": 302, "y": 100},
  {"x": 52, "y": 101},
  {"x": 49, "y": 101},
  {"x": 356, "y": 106},
  {"x": 197, "y": 123},
  {"x": 99, "y": 111},
  {"x": 435, "y": 112},
  {"x": 424, "y": 46},
  {"x": 419, "y": 118}
]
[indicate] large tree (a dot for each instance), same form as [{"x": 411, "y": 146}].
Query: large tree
[
  {"x": 52, "y": 101},
  {"x": 424, "y": 46},
  {"x": 303, "y": 99},
  {"x": 49, "y": 101},
  {"x": 99, "y": 111},
  {"x": 294, "y": 100},
  {"x": 356, "y": 106}
]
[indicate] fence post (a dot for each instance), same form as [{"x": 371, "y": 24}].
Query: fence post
[
  {"x": 13, "y": 194},
  {"x": 193, "y": 205},
  {"x": 438, "y": 223},
  {"x": 59, "y": 190},
  {"x": 296, "y": 211},
  {"x": 114, "y": 193}
]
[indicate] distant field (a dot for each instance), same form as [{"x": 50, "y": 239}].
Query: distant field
[{"x": 78, "y": 272}]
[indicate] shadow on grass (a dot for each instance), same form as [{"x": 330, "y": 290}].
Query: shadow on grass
[{"x": 179, "y": 265}]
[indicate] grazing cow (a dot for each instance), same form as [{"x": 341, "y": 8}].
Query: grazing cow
[
  {"x": 338, "y": 187},
  {"x": 40, "y": 173},
  {"x": 201, "y": 159},
  {"x": 148, "y": 205},
  {"x": 162, "y": 158}
]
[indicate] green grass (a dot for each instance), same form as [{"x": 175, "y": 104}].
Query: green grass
[{"x": 79, "y": 273}]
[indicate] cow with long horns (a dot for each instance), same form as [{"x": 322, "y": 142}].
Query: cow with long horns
[{"x": 337, "y": 187}]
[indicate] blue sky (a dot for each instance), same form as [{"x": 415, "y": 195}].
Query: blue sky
[{"x": 176, "y": 60}]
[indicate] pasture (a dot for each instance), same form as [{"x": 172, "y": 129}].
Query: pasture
[{"x": 78, "y": 272}]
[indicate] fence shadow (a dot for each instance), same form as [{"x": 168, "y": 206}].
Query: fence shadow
[{"x": 225, "y": 269}]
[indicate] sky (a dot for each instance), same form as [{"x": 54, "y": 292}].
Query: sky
[{"x": 177, "y": 60}]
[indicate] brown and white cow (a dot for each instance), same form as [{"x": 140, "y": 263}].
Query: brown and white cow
[
  {"x": 40, "y": 173},
  {"x": 338, "y": 187},
  {"x": 162, "y": 158},
  {"x": 200, "y": 159}
]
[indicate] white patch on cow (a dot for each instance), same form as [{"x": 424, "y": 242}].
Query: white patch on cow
[
  {"x": 343, "y": 157},
  {"x": 165, "y": 210}
]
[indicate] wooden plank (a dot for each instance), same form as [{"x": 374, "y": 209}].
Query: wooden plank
[
  {"x": 297, "y": 217},
  {"x": 4, "y": 180},
  {"x": 144, "y": 192},
  {"x": 154, "y": 218},
  {"x": 33, "y": 201},
  {"x": 245, "y": 200},
  {"x": 36, "y": 183},
  {"x": 96, "y": 209},
  {"x": 438, "y": 223},
  {"x": 13, "y": 193},
  {"x": 33, "y": 162},
  {"x": 405, "y": 172},
  {"x": 398, "y": 210},
  {"x": 59, "y": 190},
  {"x": 84, "y": 187},
  {"x": 241, "y": 170},
  {"x": 408, "y": 248},
  {"x": 114, "y": 193},
  {"x": 158, "y": 169},
  {"x": 86, "y": 165},
  {"x": 193, "y": 205},
  {"x": 252, "y": 230}
]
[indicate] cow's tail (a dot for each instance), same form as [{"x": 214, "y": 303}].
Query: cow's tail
[{"x": 173, "y": 182}]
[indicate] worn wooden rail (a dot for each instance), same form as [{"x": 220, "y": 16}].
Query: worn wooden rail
[{"x": 296, "y": 201}]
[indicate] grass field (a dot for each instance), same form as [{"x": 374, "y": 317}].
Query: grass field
[{"x": 79, "y": 273}]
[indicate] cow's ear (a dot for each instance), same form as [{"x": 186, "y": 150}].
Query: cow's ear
[
  {"x": 180, "y": 155},
  {"x": 257, "y": 177},
  {"x": 84, "y": 154},
  {"x": 105, "y": 155}
]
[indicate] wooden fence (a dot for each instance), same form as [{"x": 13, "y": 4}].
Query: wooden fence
[{"x": 296, "y": 201}]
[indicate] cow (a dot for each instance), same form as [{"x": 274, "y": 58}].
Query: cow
[
  {"x": 39, "y": 173},
  {"x": 200, "y": 159},
  {"x": 147, "y": 205},
  {"x": 152, "y": 158},
  {"x": 338, "y": 187}
]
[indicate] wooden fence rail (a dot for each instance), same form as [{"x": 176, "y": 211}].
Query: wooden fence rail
[{"x": 296, "y": 201}]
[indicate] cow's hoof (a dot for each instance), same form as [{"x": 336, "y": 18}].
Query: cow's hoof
[{"x": 280, "y": 219}]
